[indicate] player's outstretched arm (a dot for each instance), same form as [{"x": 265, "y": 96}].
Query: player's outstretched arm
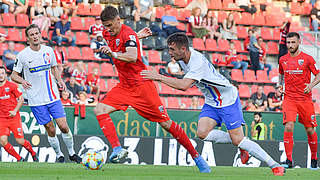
[
  {"x": 18, "y": 79},
  {"x": 181, "y": 84},
  {"x": 131, "y": 54},
  {"x": 16, "y": 109},
  {"x": 143, "y": 33}
]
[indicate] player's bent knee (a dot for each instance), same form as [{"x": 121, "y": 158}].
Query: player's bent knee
[
  {"x": 20, "y": 141},
  {"x": 202, "y": 134}
]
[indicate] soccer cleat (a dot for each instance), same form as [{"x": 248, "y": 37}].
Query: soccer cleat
[
  {"x": 314, "y": 164},
  {"x": 244, "y": 156},
  {"x": 288, "y": 164},
  {"x": 278, "y": 171},
  {"x": 35, "y": 158},
  {"x": 75, "y": 158},
  {"x": 118, "y": 154},
  {"x": 202, "y": 165},
  {"x": 21, "y": 160},
  {"x": 60, "y": 159}
]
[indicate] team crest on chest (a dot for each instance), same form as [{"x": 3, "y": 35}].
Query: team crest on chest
[
  {"x": 7, "y": 89},
  {"x": 117, "y": 42},
  {"x": 300, "y": 62},
  {"x": 46, "y": 57}
]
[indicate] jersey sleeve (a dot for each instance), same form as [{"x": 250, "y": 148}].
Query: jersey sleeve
[
  {"x": 15, "y": 91},
  {"x": 280, "y": 66},
  {"x": 313, "y": 66},
  {"x": 130, "y": 39},
  {"x": 18, "y": 65}
]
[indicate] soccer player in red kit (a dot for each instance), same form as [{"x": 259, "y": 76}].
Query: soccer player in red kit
[
  {"x": 133, "y": 90},
  {"x": 295, "y": 70},
  {"x": 10, "y": 117}
]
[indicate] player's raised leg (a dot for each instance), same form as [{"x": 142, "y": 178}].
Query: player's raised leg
[
  {"x": 178, "y": 133},
  {"x": 207, "y": 132},
  {"x": 102, "y": 112},
  {"x": 9, "y": 148}
]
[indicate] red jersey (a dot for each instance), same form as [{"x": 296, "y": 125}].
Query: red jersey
[
  {"x": 297, "y": 71},
  {"x": 66, "y": 102},
  {"x": 246, "y": 43},
  {"x": 233, "y": 54},
  {"x": 95, "y": 29},
  {"x": 262, "y": 53},
  {"x": 8, "y": 98},
  {"x": 94, "y": 79},
  {"x": 129, "y": 73},
  {"x": 79, "y": 76}
]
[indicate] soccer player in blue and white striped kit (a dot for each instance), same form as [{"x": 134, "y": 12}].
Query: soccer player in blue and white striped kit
[{"x": 222, "y": 103}]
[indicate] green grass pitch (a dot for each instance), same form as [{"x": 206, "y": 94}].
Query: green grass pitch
[{"x": 70, "y": 171}]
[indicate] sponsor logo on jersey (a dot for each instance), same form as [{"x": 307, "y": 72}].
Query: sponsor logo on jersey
[
  {"x": 5, "y": 97},
  {"x": 40, "y": 68},
  {"x": 133, "y": 38},
  {"x": 19, "y": 129},
  {"x": 7, "y": 89},
  {"x": 161, "y": 109},
  {"x": 300, "y": 62},
  {"x": 117, "y": 42}
]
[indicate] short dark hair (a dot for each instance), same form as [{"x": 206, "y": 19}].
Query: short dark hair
[
  {"x": 180, "y": 39},
  {"x": 250, "y": 30},
  {"x": 258, "y": 113},
  {"x": 259, "y": 38},
  {"x": 109, "y": 13},
  {"x": 293, "y": 34},
  {"x": 31, "y": 26}
]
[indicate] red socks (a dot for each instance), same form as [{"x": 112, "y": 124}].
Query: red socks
[
  {"x": 313, "y": 144},
  {"x": 108, "y": 129},
  {"x": 28, "y": 147},
  {"x": 9, "y": 148},
  {"x": 178, "y": 133},
  {"x": 288, "y": 144}
]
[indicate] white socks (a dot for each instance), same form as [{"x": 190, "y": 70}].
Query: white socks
[
  {"x": 256, "y": 151},
  {"x": 68, "y": 140},
  {"x": 54, "y": 143},
  {"x": 218, "y": 136}
]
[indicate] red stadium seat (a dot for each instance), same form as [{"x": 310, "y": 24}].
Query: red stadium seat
[
  {"x": 84, "y": 9},
  {"x": 223, "y": 45},
  {"x": 237, "y": 45},
  {"x": 9, "y": 19},
  {"x": 211, "y": 45},
  {"x": 154, "y": 57},
  {"x": 274, "y": 74},
  {"x": 242, "y": 32},
  {"x": 184, "y": 14},
  {"x": 262, "y": 76},
  {"x": 222, "y": 15},
  {"x": 225, "y": 4},
  {"x": 249, "y": 76},
  {"x": 258, "y": 19},
  {"x": 74, "y": 53},
  {"x": 268, "y": 89},
  {"x": 82, "y": 38},
  {"x": 112, "y": 83},
  {"x": 95, "y": 9},
  {"x": 276, "y": 34},
  {"x": 194, "y": 91},
  {"x": 307, "y": 7},
  {"x": 92, "y": 65},
  {"x": 76, "y": 23},
  {"x": 19, "y": 47},
  {"x": 273, "y": 20},
  {"x": 186, "y": 101},
  {"x": 272, "y": 48},
  {"x": 236, "y": 75},
  {"x": 218, "y": 59},
  {"x": 102, "y": 84},
  {"x": 244, "y": 91},
  {"x": 296, "y": 8},
  {"x": 87, "y": 54},
  {"x": 14, "y": 34},
  {"x": 254, "y": 88},
  {"x": 173, "y": 102},
  {"x": 107, "y": 70},
  {"x": 88, "y": 21},
  {"x": 236, "y": 17},
  {"x": 173, "y": 12},
  {"x": 22, "y": 20},
  {"x": 180, "y": 3},
  {"x": 166, "y": 89},
  {"x": 215, "y": 4},
  {"x": 266, "y": 33},
  {"x": 246, "y": 18},
  {"x": 198, "y": 44},
  {"x": 182, "y": 26},
  {"x": 160, "y": 12}
]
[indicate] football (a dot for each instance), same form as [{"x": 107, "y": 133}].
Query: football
[{"x": 92, "y": 160}]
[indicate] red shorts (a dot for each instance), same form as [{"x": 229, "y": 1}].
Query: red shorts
[
  {"x": 11, "y": 124},
  {"x": 143, "y": 98},
  {"x": 305, "y": 110}
]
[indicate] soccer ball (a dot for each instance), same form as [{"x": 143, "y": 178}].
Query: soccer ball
[{"x": 92, "y": 160}]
